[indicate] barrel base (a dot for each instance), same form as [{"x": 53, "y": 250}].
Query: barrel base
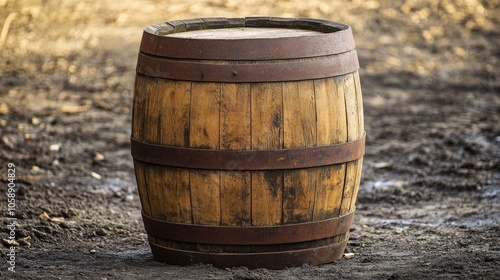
[{"x": 269, "y": 260}]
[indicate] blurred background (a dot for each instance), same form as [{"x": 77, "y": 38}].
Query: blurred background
[{"x": 449, "y": 39}]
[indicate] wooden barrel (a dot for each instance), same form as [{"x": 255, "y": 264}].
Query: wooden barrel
[{"x": 247, "y": 139}]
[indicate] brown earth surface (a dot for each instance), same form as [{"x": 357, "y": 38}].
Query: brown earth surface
[{"x": 429, "y": 200}]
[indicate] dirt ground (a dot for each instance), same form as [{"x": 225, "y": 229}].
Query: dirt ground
[{"x": 429, "y": 200}]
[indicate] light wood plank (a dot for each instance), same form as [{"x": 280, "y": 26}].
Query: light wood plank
[
  {"x": 174, "y": 123},
  {"x": 175, "y": 106},
  {"x": 359, "y": 101},
  {"x": 176, "y": 194},
  {"x": 244, "y": 33},
  {"x": 167, "y": 114},
  {"x": 352, "y": 134},
  {"x": 361, "y": 131},
  {"x": 331, "y": 127},
  {"x": 139, "y": 168},
  {"x": 235, "y": 134},
  {"x": 267, "y": 133},
  {"x": 153, "y": 111},
  {"x": 138, "y": 108},
  {"x": 299, "y": 131},
  {"x": 204, "y": 133},
  {"x": 204, "y": 116}
]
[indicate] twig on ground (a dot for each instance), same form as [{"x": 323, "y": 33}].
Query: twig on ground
[{"x": 6, "y": 26}]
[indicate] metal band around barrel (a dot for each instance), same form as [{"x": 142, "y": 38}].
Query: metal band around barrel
[
  {"x": 245, "y": 71},
  {"x": 248, "y": 159},
  {"x": 227, "y": 235},
  {"x": 270, "y": 260}
]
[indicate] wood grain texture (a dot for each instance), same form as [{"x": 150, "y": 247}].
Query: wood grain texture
[
  {"x": 361, "y": 131},
  {"x": 299, "y": 131},
  {"x": 244, "y": 116},
  {"x": 352, "y": 134},
  {"x": 235, "y": 133},
  {"x": 139, "y": 169},
  {"x": 176, "y": 195},
  {"x": 164, "y": 191},
  {"x": 267, "y": 133},
  {"x": 331, "y": 129},
  {"x": 138, "y": 106},
  {"x": 175, "y": 107},
  {"x": 244, "y": 33},
  {"x": 204, "y": 133}
]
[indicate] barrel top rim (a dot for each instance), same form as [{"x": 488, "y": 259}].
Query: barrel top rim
[
  {"x": 238, "y": 33},
  {"x": 180, "y": 26},
  {"x": 319, "y": 38}
]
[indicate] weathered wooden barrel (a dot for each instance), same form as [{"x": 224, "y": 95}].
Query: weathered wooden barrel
[{"x": 247, "y": 139}]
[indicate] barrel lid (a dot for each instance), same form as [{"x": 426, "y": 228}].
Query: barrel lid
[
  {"x": 252, "y": 49},
  {"x": 300, "y": 38}
]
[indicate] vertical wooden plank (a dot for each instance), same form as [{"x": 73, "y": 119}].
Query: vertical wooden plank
[
  {"x": 361, "y": 131},
  {"x": 359, "y": 101},
  {"x": 139, "y": 168},
  {"x": 235, "y": 117},
  {"x": 235, "y": 134},
  {"x": 204, "y": 133},
  {"x": 331, "y": 112},
  {"x": 140, "y": 131},
  {"x": 138, "y": 118},
  {"x": 331, "y": 127},
  {"x": 174, "y": 131},
  {"x": 167, "y": 111},
  {"x": 151, "y": 126},
  {"x": 156, "y": 185},
  {"x": 351, "y": 107},
  {"x": 204, "y": 117},
  {"x": 153, "y": 109},
  {"x": 174, "y": 124},
  {"x": 299, "y": 115},
  {"x": 176, "y": 195},
  {"x": 205, "y": 197},
  {"x": 352, "y": 134},
  {"x": 138, "y": 108},
  {"x": 267, "y": 133},
  {"x": 267, "y": 116}
]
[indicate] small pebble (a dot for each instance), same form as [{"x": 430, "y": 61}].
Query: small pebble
[
  {"x": 98, "y": 156},
  {"x": 54, "y": 147},
  {"x": 348, "y": 255},
  {"x": 95, "y": 175},
  {"x": 29, "y": 136},
  {"x": 64, "y": 225},
  {"x": 101, "y": 232},
  {"x": 4, "y": 109},
  {"x": 44, "y": 217},
  {"x": 35, "y": 121}
]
